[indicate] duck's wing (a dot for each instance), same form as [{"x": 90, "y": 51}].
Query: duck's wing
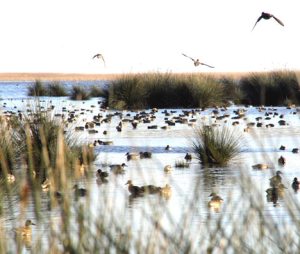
[
  {"x": 208, "y": 65},
  {"x": 278, "y": 20},
  {"x": 189, "y": 57},
  {"x": 257, "y": 21},
  {"x": 96, "y": 56},
  {"x": 101, "y": 56}
]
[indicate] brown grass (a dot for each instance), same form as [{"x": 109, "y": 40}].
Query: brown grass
[
  {"x": 84, "y": 76},
  {"x": 55, "y": 76}
]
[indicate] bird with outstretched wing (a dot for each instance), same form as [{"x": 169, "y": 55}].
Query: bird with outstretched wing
[
  {"x": 265, "y": 15},
  {"x": 99, "y": 56},
  {"x": 197, "y": 62}
]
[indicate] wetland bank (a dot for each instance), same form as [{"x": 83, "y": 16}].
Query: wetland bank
[{"x": 260, "y": 109}]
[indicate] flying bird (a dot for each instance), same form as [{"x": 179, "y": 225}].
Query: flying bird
[
  {"x": 265, "y": 15},
  {"x": 99, "y": 56},
  {"x": 197, "y": 62}
]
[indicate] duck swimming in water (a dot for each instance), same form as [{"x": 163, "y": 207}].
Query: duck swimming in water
[
  {"x": 134, "y": 190},
  {"x": 295, "y": 184},
  {"x": 26, "y": 230}
]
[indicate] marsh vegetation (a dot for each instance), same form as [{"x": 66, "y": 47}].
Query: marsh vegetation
[{"x": 107, "y": 218}]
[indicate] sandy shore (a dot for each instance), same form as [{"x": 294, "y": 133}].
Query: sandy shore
[{"x": 55, "y": 76}]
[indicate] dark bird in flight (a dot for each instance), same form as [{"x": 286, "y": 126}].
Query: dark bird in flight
[
  {"x": 197, "y": 62},
  {"x": 265, "y": 15},
  {"x": 99, "y": 56}
]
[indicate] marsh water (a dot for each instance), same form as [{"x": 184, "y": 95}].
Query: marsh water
[{"x": 258, "y": 145}]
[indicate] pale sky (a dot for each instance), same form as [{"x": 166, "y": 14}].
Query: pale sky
[{"x": 147, "y": 35}]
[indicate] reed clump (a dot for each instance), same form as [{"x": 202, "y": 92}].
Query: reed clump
[
  {"x": 182, "y": 164},
  {"x": 165, "y": 90},
  {"x": 96, "y": 91},
  {"x": 216, "y": 145},
  {"x": 79, "y": 93},
  {"x": 38, "y": 129},
  {"x": 270, "y": 88},
  {"x": 56, "y": 89},
  {"x": 39, "y": 88},
  {"x": 7, "y": 158}
]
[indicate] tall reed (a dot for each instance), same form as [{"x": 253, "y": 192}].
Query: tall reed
[{"x": 271, "y": 88}]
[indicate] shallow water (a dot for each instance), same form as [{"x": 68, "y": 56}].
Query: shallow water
[{"x": 259, "y": 145}]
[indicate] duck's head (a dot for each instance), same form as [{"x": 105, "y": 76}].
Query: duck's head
[
  {"x": 123, "y": 165},
  {"x": 128, "y": 182},
  {"x": 278, "y": 172},
  {"x": 213, "y": 194},
  {"x": 29, "y": 223}
]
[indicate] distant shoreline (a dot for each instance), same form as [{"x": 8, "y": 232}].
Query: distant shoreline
[
  {"x": 56, "y": 76},
  {"x": 109, "y": 76}
]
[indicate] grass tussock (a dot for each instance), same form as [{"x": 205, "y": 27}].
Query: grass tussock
[
  {"x": 216, "y": 146},
  {"x": 39, "y": 88},
  {"x": 165, "y": 90},
  {"x": 181, "y": 164},
  {"x": 271, "y": 89},
  {"x": 38, "y": 132},
  {"x": 56, "y": 89},
  {"x": 79, "y": 93}
]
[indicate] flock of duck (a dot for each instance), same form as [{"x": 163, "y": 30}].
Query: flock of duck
[{"x": 78, "y": 120}]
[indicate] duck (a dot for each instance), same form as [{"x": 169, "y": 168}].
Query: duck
[
  {"x": 215, "y": 201},
  {"x": 168, "y": 168},
  {"x": 45, "y": 185},
  {"x": 145, "y": 155},
  {"x": 118, "y": 168},
  {"x": 99, "y": 56},
  {"x": 168, "y": 148},
  {"x": 101, "y": 174},
  {"x": 10, "y": 178},
  {"x": 151, "y": 189},
  {"x": 79, "y": 192},
  {"x": 275, "y": 191},
  {"x": 26, "y": 230},
  {"x": 281, "y": 160},
  {"x": 132, "y": 156},
  {"x": 188, "y": 157},
  {"x": 197, "y": 61},
  {"x": 295, "y": 184},
  {"x": 260, "y": 166},
  {"x": 166, "y": 191},
  {"x": 276, "y": 180},
  {"x": 134, "y": 190},
  {"x": 272, "y": 195},
  {"x": 265, "y": 15}
]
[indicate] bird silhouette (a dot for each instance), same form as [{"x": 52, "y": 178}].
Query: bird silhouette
[
  {"x": 99, "y": 56},
  {"x": 265, "y": 15},
  {"x": 197, "y": 61}
]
